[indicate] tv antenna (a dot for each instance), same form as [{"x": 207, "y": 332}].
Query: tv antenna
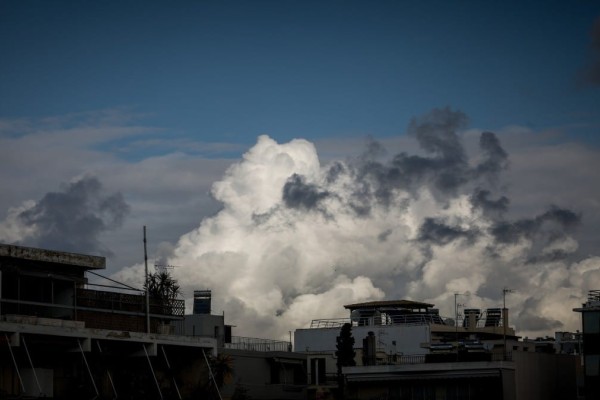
[{"x": 160, "y": 267}]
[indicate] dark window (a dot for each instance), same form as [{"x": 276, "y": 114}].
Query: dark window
[
  {"x": 227, "y": 333},
  {"x": 591, "y": 322},
  {"x": 318, "y": 374},
  {"x": 592, "y": 365}
]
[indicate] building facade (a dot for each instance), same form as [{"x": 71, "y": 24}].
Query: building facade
[
  {"x": 62, "y": 338},
  {"x": 590, "y": 314},
  {"x": 406, "y": 350}
]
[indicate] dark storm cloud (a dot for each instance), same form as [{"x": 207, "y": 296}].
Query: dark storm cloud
[
  {"x": 555, "y": 255},
  {"x": 528, "y": 320},
  {"x": 444, "y": 167},
  {"x": 496, "y": 158},
  {"x": 549, "y": 226},
  {"x": 436, "y": 231},
  {"x": 480, "y": 199},
  {"x": 73, "y": 219},
  {"x": 592, "y": 72},
  {"x": 447, "y": 168},
  {"x": 299, "y": 194},
  {"x": 436, "y": 133},
  {"x": 334, "y": 171}
]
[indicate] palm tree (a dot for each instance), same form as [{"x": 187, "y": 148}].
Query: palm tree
[{"x": 163, "y": 288}]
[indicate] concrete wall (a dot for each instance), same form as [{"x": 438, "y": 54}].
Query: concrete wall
[
  {"x": 407, "y": 338},
  {"x": 266, "y": 375},
  {"x": 206, "y": 325},
  {"x": 540, "y": 376}
]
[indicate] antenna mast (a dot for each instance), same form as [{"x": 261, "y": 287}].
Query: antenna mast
[
  {"x": 146, "y": 280},
  {"x": 505, "y": 316}
]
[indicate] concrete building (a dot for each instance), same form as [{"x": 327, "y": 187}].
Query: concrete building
[
  {"x": 265, "y": 370},
  {"x": 62, "y": 338},
  {"x": 406, "y": 350},
  {"x": 590, "y": 314},
  {"x": 262, "y": 369}
]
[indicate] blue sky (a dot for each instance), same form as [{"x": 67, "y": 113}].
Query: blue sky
[{"x": 229, "y": 71}]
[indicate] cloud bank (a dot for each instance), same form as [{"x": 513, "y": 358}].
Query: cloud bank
[
  {"x": 70, "y": 220},
  {"x": 295, "y": 240}
]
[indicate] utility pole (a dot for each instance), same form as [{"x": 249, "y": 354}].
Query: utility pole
[
  {"x": 456, "y": 317},
  {"x": 146, "y": 280},
  {"x": 505, "y": 316}
]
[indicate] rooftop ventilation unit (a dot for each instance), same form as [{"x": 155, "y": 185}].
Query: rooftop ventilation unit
[{"x": 493, "y": 317}]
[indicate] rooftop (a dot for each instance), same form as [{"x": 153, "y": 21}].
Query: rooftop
[
  {"x": 406, "y": 304},
  {"x": 593, "y": 302},
  {"x": 50, "y": 256}
]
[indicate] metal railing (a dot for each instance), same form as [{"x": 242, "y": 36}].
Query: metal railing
[
  {"x": 329, "y": 323},
  {"x": 257, "y": 344},
  {"x": 594, "y": 295},
  {"x": 396, "y": 359},
  {"x": 483, "y": 320},
  {"x": 128, "y": 302}
]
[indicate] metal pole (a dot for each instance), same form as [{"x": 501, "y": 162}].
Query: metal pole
[
  {"x": 112, "y": 384},
  {"x": 88, "y": 368},
  {"x": 456, "y": 323},
  {"x": 32, "y": 368},
  {"x": 211, "y": 374},
  {"x": 169, "y": 366},
  {"x": 146, "y": 280},
  {"x": 504, "y": 317},
  {"x": 152, "y": 370},
  {"x": 456, "y": 316},
  {"x": 14, "y": 362}
]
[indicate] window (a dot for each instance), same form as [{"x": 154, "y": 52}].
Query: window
[
  {"x": 591, "y": 322},
  {"x": 592, "y": 365},
  {"x": 317, "y": 371}
]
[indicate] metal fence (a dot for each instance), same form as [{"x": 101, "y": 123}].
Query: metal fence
[
  {"x": 128, "y": 302},
  {"x": 257, "y": 344}
]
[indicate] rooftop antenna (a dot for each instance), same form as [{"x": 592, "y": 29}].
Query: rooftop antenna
[
  {"x": 159, "y": 267},
  {"x": 456, "y": 316},
  {"x": 505, "y": 290},
  {"x": 146, "y": 285}
]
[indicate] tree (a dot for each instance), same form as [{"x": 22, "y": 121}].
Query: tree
[
  {"x": 164, "y": 288},
  {"x": 345, "y": 353}
]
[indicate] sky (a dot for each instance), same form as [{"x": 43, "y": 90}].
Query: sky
[{"x": 295, "y": 156}]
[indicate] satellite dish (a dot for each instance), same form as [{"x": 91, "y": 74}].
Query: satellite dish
[
  {"x": 355, "y": 315},
  {"x": 450, "y": 321}
]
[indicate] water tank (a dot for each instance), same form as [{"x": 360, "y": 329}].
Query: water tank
[
  {"x": 493, "y": 317},
  {"x": 202, "y": 301},
  {"x": 471, "y": 317}
]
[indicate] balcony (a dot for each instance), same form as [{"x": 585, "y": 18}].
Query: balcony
[
  {"x": 97, "y": 309},
  {"x": 256, "y": 344}
]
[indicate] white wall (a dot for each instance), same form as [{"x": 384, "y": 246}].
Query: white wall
[{"x": 408, "y": 338}]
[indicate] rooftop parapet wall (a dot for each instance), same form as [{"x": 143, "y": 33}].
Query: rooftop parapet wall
[{"x": 51, "y": 256}]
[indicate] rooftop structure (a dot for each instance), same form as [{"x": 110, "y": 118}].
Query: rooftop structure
[
  {"x": 60, "y": 337},
  {"x": 590, "y": 315},
  {"x": 406, "y": 349},
  {"x": 53, "y": 284}
]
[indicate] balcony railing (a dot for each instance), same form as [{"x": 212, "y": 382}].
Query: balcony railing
[
  {"x": 116, "y": 301},
  {"x": 442, "y": 357},
  {"x": 257, "y": 344},
  {"x": 329, "y": 323}
]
